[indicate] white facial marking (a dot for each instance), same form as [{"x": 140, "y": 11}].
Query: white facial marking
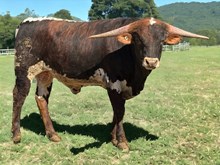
[
  {"x": 152, "y": 21},
  {"x": 31, "y": 19}
]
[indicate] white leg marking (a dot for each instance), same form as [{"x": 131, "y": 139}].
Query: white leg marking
[{"x": 42, "y": 89}]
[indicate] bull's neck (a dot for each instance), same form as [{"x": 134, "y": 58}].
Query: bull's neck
[{"x": 140, "y": 75}]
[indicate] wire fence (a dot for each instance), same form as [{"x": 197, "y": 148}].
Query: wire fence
[{"x": 4, "y": 52}]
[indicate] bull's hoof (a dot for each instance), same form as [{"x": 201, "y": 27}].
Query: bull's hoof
[
  {"x": 115, "y": 142},
  {"x": 16, "y": 139},
  {"x": 123, "y": 146},
  {"x": 54, "y": 138}
]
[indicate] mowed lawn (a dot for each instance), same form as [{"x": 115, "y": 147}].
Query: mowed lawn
[{"x": 175, "y": 120}]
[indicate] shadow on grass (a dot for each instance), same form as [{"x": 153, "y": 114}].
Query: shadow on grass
[{"x": 100, "y": 132}]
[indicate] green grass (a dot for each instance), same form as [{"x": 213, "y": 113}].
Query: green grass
[{"x": 175, "y": 120}]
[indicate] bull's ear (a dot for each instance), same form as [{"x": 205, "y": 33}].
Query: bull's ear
[
  {"x": 173, "y": 39},
  {"x": 125, "y": 38}
]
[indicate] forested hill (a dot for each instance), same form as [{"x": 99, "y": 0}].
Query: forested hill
[{"x": 192, "y": 16}]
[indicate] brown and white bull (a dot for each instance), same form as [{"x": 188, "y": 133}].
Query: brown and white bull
[{"x": 117, "y": 54}]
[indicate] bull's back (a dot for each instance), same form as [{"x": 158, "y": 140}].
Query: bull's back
[{"x": 65, "y": 46}]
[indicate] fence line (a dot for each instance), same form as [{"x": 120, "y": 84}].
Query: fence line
[
  {"x": 7, "y": 52},
  {"x": 179, "y": 47}
]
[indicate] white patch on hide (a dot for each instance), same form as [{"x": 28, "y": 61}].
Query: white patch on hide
[
  {"x": 152, "y": 21},
  {"x": 116, "y": 86},
  {"x": 36, "y": 69},
  {"x": 121, "y": 87},
  {"x": 100, "y": 76},
  {"x": 31, "y": 19}
]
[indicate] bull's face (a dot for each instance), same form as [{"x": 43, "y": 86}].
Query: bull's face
[
  {"x": 148, "y": 41},
  {"x": 147, "y": 37}
]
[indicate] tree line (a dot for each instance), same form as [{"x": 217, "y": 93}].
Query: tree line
[
  {"x": 8, "y": 24},
  {"x": 100, "y": 9},
  {"x": 201, "y": 18}
]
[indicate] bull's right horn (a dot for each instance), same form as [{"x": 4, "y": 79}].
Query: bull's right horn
[{"x": 180, "y": 32}]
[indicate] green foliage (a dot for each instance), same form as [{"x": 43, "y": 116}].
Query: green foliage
[
  {"x": 103, "y": 9},
  {"x": 76, "y": 18},
  {"x": 175, "y": 119},
  {"x": 8, "y": 25},
  {"x": 194, "y": 16},
  {"x": 64, "y": 14},
  {"x": 213, "y": 38},
  {"x": 27, "y": 13},
  {"x": 197, "y": 17}
]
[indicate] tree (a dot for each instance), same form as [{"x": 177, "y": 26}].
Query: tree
[
  {"x": 64, "y": 14},
  {"x": 103, "y": 9},
  {"x": 27, "y": 13},
  {"x": 8, "y": 25},
  {"x": 213, "y": 38}
]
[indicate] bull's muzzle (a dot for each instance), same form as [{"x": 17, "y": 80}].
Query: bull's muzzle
[{"x": 151, "y": 63}]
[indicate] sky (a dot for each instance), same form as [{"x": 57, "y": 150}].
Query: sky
[{"x": 78, "y": 8}]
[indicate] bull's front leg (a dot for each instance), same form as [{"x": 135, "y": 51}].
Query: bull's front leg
[{"x": 118, "y": 134}]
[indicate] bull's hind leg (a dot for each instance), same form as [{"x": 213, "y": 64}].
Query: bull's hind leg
[
  {"x": 20, "y": 92},
  {"x": 118, "y": 134},
  {"x": 44, "y": 86}
]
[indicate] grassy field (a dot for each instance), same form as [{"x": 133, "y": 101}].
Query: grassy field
[{"x": 175, "y": 120}]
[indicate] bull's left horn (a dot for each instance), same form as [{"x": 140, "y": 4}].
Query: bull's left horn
[
  {"x": 112, "y": 33},
  {"x": 177, "y": 31}
]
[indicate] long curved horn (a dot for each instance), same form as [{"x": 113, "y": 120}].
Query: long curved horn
[
  {"x": 127, "y": 28},
  {"x": 177, "y": 31},
  {"x": 123, "y": 29}
]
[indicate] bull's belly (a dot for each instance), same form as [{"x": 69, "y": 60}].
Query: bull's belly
[
  {"x": 99, "y": 78},
  {"x": 75, "y": 85}
]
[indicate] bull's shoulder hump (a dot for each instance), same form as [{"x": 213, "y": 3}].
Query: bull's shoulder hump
[{"x": 38, "y": 19}]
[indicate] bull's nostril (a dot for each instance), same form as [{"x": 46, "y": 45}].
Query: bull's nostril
[{"x": 147, "y": 62}]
